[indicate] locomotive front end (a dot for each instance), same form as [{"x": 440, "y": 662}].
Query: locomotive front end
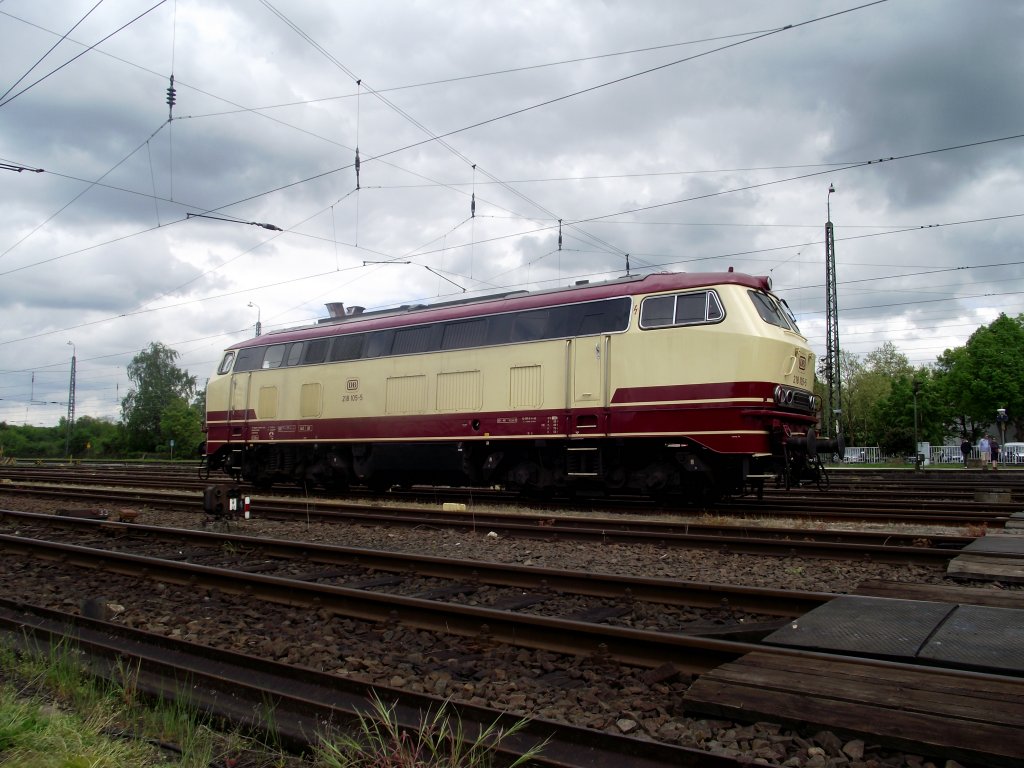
[{"x": 791, "y": 420}]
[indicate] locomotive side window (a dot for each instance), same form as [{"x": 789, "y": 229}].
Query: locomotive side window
[
  {"x": 379, "y": 344},
  {"x": 249, "y": 359},
  {"x": 715, "y": 311},
  {"x": 530, "y": 326},
  {"x": 681, "y": 309},
  {"x": 691, "y": 308},
  {"x": 600, "y": 317},
  {"x": 274, "y": 356},
  {"x": 294, "y": 354},
  {"x": 586, "y": 319},
  {"x": 348, "y": 347},
  {"x": 316, "y": 351},
  {"x": 225, "y": 364},
  {"x": 499, "y": 329},
  {"x": 460, "y": 335},
  {"x": 412, "y": 341},
  {"x": 657, "y": 311}
]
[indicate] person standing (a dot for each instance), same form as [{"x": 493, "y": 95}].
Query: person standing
[
  {"x": 965, "y": 449},
  {"x": 993, "y": 446},
  {"x": 985, "y": 449}
]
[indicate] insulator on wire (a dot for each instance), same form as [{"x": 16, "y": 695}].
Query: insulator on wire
[
  {"x": 559, "y": 234},
  {"x": 472, "y": 206},
  {"x": 357, "y": 167},
  {"x": 171, "y": 96}
]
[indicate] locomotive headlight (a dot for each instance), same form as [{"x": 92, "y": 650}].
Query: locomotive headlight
[
  {"x": 780, "y": 395},
  {"x": 815, "y": 403}
]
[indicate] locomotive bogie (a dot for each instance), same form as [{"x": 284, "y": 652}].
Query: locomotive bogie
[{"x": 688, "y": 384}]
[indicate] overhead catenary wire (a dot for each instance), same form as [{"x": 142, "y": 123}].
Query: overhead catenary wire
[
  {"x": 340, "y": 65},
  {"x": 8, "y": 99},
  {"x": 481, "y": 182},
  {"x": 52, "y": 48}
]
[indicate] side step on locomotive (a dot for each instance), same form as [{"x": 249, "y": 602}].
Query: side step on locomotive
[{"x": 680, "y": 385}]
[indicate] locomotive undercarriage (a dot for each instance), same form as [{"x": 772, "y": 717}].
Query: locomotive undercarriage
[{"x": 681, "y": 471}]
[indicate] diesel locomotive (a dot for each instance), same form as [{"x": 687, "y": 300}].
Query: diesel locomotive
[{"x": 689, "y": 385}]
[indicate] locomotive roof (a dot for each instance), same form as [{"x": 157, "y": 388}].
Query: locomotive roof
[{"x": 416, "y": 314}]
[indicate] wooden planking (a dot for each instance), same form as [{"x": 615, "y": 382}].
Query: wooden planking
[
  {"x": 986, "y": 568},
  {"x": 972, "y": 719},
  {"x": 941, "y": 593}
]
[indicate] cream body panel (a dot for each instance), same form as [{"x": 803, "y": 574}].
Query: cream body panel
[
  {"x": 742, "y": 347},
  {"x": 425, "y": 383}
]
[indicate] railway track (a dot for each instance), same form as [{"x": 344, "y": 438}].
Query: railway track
[
  {"x": 854, "y": 495},
  {"x": 221, "y": 607},
  {"x": 306, "y": 704},
  {"x": 581, "y": 634},
  {"x": 418, "y": 575},
  {"x": 841, "y": 544}
]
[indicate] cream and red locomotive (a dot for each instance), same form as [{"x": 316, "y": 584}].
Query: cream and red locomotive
[{"x": 695, "y": 385}]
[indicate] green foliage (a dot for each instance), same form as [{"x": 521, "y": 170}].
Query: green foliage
[
  {"x": 42, "y": 442},
  {"x": 96, "y": 438},
  {"x": 158, "y": 384},
  {"x": 55, "y": 714},
  {"x": 957, "y": 397},
  {"x": 982, "y": 376},
  {"x": 182, "y": 423},
  {"x": 90, "y": 438}
]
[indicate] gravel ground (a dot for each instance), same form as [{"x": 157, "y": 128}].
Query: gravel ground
[{"x": 581, "y": 691}]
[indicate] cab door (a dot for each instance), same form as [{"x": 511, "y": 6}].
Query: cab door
[
  {"x": 238, "y": 404},
  {"x": 239, "y": 398},
  {"x": 588, "y": 387}
]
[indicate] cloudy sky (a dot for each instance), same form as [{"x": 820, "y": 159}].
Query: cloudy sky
[{"x": 691, "y": 135}]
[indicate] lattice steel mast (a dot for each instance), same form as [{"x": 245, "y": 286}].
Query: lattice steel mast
[
  {"x": 832, "y": 372},
  {"x": 71, "y": 402}
]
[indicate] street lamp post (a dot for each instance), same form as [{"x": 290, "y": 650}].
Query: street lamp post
[
  {"x": 1001, "y": 418},
  {"x": 917, "y": 445},
  {"x": 259, "y": 326}
]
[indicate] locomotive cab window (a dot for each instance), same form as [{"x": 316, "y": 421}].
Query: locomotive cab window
[
  {"x": 249, "y": 359},
  {"x": 691, "y": 308},
  {"x": 682, "y": 309},
  {"x": 771, "y": 312},
  {"x": 225, "y": 364}
]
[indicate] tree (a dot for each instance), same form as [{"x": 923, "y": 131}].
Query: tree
[
  {"x": 895, "y": 415},
  {"x": 953, "y": 395},
  {"x": 867, "y": 386},
  {"x": 995, "y": 367},
  {"x": 888, "y": 361},
  {"x": 183, "y": 424},
  {"x": 984, "y": 375},
  {"x": 158, "y": 385}
]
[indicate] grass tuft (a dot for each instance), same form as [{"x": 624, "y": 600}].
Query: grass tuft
[{"x": 439, "y": 741}]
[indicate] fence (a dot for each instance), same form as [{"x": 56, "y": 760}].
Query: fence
[{"x": 939, "y": 454}]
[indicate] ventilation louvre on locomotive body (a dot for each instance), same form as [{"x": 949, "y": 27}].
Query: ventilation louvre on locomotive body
[{"x": 695, "y": 385}]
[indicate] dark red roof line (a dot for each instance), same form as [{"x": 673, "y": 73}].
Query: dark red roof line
[{"x": 669, "y": 281}]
